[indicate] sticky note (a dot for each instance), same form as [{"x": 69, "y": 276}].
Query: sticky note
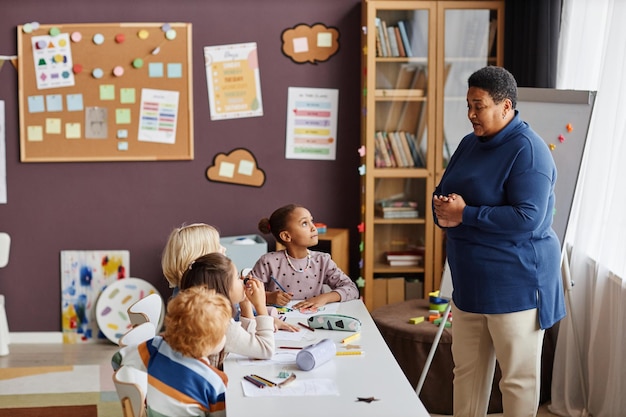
[
  {"x": 35, "y": 104},
  {"x": 53, "y": 126},
  {"x": 72, "y": 130},
  {"x": 324, "y": 40},
  {"x": 107, "y": 92},
  {"x": 35, "y": 133},
  {"x": 74, "y": 102},
  {"x": 122, "y": 133},
  {"x": 155, "y": 69},
  {"x": 227, "y": 169},
  {"x": 127, "y": 95},
  {"x": 122, "y": 146},
  {"x": 122, "y": 116},
  {"x": 246, "y": 167},
  {"x": 300, "y": 45},
  {"x": 174, "y": 70},
  {"x": 54, "y": 102}
]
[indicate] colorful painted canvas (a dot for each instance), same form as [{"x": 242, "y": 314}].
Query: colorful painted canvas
[{"x": 84, "y": 275}]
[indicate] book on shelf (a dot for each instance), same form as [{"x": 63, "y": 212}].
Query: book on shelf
[
  {"x": 406, "y": 149},
  {"x": 391, "y": 35},
  {"x": 408, "y": 214},
  {"x": 385, "y": 38},
  {"x": 395, "y": 147},
  {"x": 401, "y": 51},
  {"x": 404, "y": 255},
  {"x": 380, "y": 37},
  {"x": 403, "y": 263},
  {"x": 395, "y": 203},
  {"x": 405, "y": 38},
  {"x": 382, "y": 147}
]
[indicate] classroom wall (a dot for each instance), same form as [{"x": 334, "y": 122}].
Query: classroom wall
[{"x": 134, "y": 205}]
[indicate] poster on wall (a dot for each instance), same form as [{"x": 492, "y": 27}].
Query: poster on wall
[
  {"x": 84, "y": 275},
  {"x": 311, "y": 123},
  {"x": 233, "y": 81}
]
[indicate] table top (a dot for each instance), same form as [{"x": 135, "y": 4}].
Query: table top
[{"x": 375, "y": 373}]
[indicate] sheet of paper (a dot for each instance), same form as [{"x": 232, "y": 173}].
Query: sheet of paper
[
  {"x": 330, "y": 308},
  {"x": 299, "y": 387}
]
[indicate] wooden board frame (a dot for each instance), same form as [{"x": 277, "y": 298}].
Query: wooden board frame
[{"x": 44, "y": 134}]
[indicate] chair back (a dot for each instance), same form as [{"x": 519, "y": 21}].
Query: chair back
[
  {"x": 148, "y": 309},
  {"x": 141, "y": 333},
  {"x": 131, "y": 385}
]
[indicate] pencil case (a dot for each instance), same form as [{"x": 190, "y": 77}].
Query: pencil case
[{"x": 335, "y": 322}]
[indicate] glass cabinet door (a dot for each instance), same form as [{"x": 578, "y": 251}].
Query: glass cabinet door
[{"x": 469, "y": 44}]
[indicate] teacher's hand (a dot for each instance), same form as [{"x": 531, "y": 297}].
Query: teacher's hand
[{"x": 449, "y": 209}]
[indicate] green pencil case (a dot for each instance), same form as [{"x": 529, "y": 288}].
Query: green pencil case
[{"x": 334, "y": 322}]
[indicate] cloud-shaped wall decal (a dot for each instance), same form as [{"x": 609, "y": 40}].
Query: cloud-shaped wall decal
[
  {"x": 304, "y": 43},
  {"x": 238, "y": 167}
]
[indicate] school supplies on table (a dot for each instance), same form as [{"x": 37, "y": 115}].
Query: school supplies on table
[
  {"x": 316, "y": 354},
  {"x": 335, "y": 322}
]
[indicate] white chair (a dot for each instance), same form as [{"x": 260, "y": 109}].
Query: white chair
[
  {"x": 5, "y": 244},
  {"x": 148, "y": 309},
  {"x": 131, "y": 385}
]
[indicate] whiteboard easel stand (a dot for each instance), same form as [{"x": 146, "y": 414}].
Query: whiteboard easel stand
[
  {"x": 568, "y": 284},
  {"x": 433, "y": 348}
]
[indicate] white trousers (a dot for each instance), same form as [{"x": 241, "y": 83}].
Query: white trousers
[{"x": 516, "y": 341}]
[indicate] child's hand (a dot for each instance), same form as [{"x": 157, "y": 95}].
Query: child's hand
[
  {"x": 318, "y": 301},
  {"x": 279, "y": 298},
  {"x": 283, "y": 325},
  {"x": 255, "y": 293}
]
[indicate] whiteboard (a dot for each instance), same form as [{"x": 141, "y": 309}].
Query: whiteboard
[{"x": 548, "y": 112}]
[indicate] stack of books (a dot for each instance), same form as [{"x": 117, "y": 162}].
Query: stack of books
[
  {"x": 396, "y": 209},
  {"x": 404, "y": 258}
]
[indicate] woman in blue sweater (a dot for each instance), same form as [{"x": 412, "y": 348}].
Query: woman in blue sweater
[{"x": 496, "y": 202}]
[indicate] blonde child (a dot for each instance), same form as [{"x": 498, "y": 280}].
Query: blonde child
[
  {"x": 181, "y": 381},
  {"x": 250, "y": 336},
  {"x": 300, "y": 272},
  {"x": 184, "y": 245}
]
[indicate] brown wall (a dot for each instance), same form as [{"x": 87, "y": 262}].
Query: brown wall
[{"x": 134, "y": 205}]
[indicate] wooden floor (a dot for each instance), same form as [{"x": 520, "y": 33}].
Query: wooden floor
[{"x": 58, "y": 354}]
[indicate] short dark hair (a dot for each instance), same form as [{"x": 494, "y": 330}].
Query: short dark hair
[{"x": 498, "y": 82}]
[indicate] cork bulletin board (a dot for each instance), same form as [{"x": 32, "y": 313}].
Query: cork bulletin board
[{"x": 105, "y": 92}]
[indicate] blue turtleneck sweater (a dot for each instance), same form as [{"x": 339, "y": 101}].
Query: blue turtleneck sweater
[{"x": 504, "y": 256}]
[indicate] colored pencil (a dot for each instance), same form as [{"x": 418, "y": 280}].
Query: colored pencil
[
  {"x": 253, "y": 381},
  {"x": 264, "y": 380},
  {"x": 350, "y": 338},
  {"x": 278, "y": 284},
  {"x": 289, "y": 347},
  {"x": 306, "y": 327},
  {"x": 349, "y": 352}
]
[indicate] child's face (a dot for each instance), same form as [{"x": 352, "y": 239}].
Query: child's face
[
  {"x": 301, "y": 229},
  {"x": 237, "y": 291}
]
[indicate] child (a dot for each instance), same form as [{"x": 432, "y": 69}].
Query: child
[
  {"x": 184, "y": 245},
  {"x": 187, "y": 243},
  {"x": 251, "y": 336},
  {"x": 181, "y": 381},
  {"x": 297, "y": 272}
]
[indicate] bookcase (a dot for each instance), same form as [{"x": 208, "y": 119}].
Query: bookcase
[{"x": 417, "y": 56}]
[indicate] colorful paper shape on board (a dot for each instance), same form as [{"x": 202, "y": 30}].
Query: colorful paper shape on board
[
  {"x": 304, "y": 43},
  {"x": 238, "y": 167},
  {"x": 84, "y": 275}
]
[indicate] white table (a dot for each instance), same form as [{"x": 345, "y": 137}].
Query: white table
[{"x": 374, "y": 374}]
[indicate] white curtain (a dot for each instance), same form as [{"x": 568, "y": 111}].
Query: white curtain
[{"x": 589, "y": 376}]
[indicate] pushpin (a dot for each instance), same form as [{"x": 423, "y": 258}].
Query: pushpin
[
  {"x": 76, "y": 36},
  {"x": 54, "y": 31},
  {"x": 119, "y": 38},
  {"x": 561, "y": 138},
  {"x": 77, "y": 68},
  {"x": 569, "y": 127},
  {"x": 551, "y": 146},
  {"x": 361, "y": 150}
]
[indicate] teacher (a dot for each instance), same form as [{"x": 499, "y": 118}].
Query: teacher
[{"x": 496, "y": 202}]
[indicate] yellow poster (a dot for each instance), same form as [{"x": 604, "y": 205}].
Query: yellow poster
[{"x": 233, "y": 81}]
